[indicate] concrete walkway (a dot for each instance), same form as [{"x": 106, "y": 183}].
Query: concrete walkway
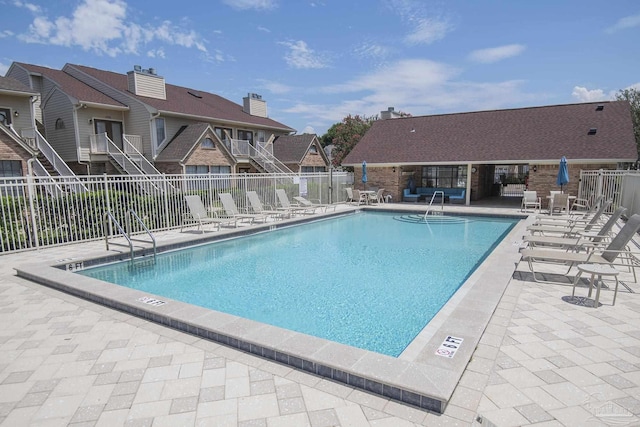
[{"x": 543, "y": 360}]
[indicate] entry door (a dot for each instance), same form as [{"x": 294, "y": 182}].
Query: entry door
[{"x": 112, "y": 129}]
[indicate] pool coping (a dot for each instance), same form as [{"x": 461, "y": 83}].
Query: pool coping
[{"x": 417, "y": 377}]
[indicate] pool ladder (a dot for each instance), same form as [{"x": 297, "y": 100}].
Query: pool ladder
[
  {"x": 435, "y": 193},
  {"x": 109, "y": 219}
]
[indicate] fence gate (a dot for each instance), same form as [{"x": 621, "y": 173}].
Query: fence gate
[{"x": 622, "y": 187}]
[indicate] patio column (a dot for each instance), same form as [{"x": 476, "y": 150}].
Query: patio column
[{"x": 467, "y": 193}]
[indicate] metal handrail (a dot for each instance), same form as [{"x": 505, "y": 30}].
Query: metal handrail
[
  {"x": 433, "y": 196},
  {"x": 127, "y": 235},
  {"x": 109, "y": 216},
  {"x": 133, "y": 213}
]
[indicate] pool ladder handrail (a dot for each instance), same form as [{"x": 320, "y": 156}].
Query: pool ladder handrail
[
  {"x": 433, "y": 196},
  {"x": 109, "y": 218}
]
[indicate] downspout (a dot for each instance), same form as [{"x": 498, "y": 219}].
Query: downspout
[{"x": 153, "y": 146}]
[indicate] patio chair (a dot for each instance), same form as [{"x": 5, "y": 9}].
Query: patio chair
[
  {"x": 258, "y": 208},
  {"x": 530, "y": 199},
  {"x": 283, "y": 199},
  {"x": 559, "y": 203},
  {"x": 359, "y": 198},
  {"x": 309, "y": 204},
  {"x": 571, "y": 242},
  {"x": 591, "y": 254},
  {"x": 198, "y": 214},
  {"x": 573, "y": 214},
  {"x": 232, "y": 211}
]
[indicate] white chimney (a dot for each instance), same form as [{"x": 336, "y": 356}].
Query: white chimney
[
  {"x": 254, "y": 105},
  {"x": 147, "y": 83},
  {"x": 389, "y": 114}
]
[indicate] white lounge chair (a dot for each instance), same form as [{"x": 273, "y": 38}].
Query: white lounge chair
[
  {"x": 283, "y": 199},
  {"x": 570, "y": 226},
  {"x": 258, "y": 208},
  {"x": 591, "y": 255},
  {"x": 583, "y": 237},
  {"x": 198, "y": 214},
  {"x": 309, "y": 204},
  {"x": 232, "y": 211},
  {"x": 559, "y": 203}
]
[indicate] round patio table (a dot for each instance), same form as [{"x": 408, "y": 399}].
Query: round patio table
[{"x": 598, "y": 270}]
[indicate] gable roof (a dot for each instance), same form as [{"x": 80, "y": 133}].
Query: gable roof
[
  {"x": 535, "y": 134},
  {"x": 73, "y": 87},
  {"x": 15, "y": 87},
  {"x": 293, "y": 148},
  {"x": 180, "y": 101},
  {"x": 184, "y": 141}
]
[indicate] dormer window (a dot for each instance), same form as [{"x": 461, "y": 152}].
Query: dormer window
[
  {"x": 59, "y": 124},
  {"x": 592, "y": 131},
  {"x": 208, "y": 143},
  {"x": 313, "y": 149}
]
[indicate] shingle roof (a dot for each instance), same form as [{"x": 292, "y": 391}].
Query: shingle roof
[
  {"x": 10, "y": 84},
  {"x": 525, "y": 134},
  {"x": 182, "y": 143},
  {"x": 180, "y": 101},
  {"x": 72, "y": 86},
  {"x": 292, "y": 148}
]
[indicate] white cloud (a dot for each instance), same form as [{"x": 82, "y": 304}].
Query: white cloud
[
  {"x": 425, "y": 26},
  {"x": 301, "y": 56},
  {"x": 3, "y": 68},
  {"x": 156, "y": 53},
  {"x": 251, "y": 4},
  {"x": 6, "y": 33},
  {"x": 372, "y": 50},
  {"x": 308, "y": 129},
  {"x": 263, "y": 29},
  {"x": 29, "y": 6},
  {"x": 428, "y": 31},
  {"x": 495, "y": 54},
  {"x": 582, "y": 94},
  {"x": 275, "y": 87},
  {"x": 414, "y": 86},
  {"x": 102, "y": 26},
  {"x": 624, "y": 23}
]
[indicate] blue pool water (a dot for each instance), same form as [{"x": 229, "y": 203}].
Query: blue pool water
[{"x": 369, "y": 280}]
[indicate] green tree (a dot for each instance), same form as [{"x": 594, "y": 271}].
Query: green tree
[
  {"x": 632, "y": 96},
  {"x": 346, "y": 134}
]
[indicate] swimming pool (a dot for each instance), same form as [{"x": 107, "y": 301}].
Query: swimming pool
[{"x": 366, "y": 280}]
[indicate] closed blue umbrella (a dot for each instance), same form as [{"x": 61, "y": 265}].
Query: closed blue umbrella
[
  {"x": 563, "y": 173},
  {"x": 364, "y": 174}
]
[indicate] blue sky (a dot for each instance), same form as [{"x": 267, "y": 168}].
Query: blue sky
[{"x": 314, "y": 62}]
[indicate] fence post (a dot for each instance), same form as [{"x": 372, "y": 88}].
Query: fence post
[
  {"x": 32, "y": 211},
  {"x": 599, "y": 183}
]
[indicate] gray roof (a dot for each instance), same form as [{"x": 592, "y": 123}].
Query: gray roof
[
  {"x": 9, "y": 84},
  {"x": 515, "y": 135},
  {"x": 182, "y": 143},
  {"x": 293, "y": 148}
]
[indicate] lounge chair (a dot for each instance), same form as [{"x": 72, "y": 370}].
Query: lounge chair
[
  {"x": 232, "y": 211},
  {"x": 349, "y": 191},
  {"x": 283, "y": 199},
  {"x": 198, "y": 214},
  {"x": 530, "y": 199},
  {"x": 569, "y": 226},
  {"x": 571, "y": 242},
  {"x": 309, "y": 204},
  {"x": 591, "y": 255},
  {"x": 258, "y": 208}
]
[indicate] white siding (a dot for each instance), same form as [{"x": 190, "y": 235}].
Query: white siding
[
  {"x": 143, "y": 84},
  {"x": 59, "y": 106}
]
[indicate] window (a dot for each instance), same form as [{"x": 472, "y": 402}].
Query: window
[
  {"x": 262, "y": 136},
  {"x": 313, "y": 149},
  {"x": 205, "y": 169},
  {"x": 312, "y": 169},
  {"x": 208, "y": 143},
  {"x": 10, "y": 168},
  {"x": 59, "y": 124},
  {"x": 5, "y": 116},
  {"x": 222, "y": 133},
  {"x": 246, "y": 135},
  {"x": 160, "y": 131},
  {"x": 444, "y": 176}
]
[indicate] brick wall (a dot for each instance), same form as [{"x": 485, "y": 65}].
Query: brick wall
[{"x": 10, "y": 150}]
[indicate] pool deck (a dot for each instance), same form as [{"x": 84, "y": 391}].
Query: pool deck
[{"x": 528, "y": 357}]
